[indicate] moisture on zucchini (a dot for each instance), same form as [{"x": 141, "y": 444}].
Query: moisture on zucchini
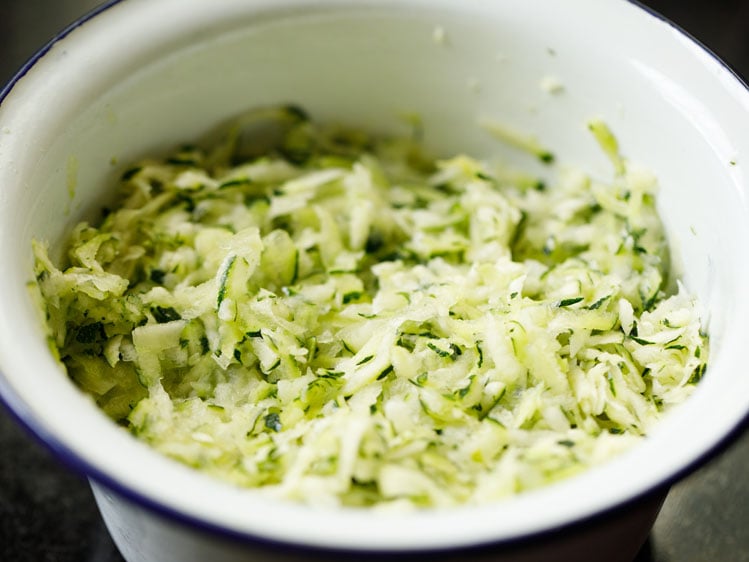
[{"x": 335, "y": 317}]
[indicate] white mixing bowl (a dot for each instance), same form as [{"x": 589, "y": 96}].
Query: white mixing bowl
[{"x": 141, "y": 76}]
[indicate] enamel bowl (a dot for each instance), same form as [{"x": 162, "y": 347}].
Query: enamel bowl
[{"x": 138, "y": 77}]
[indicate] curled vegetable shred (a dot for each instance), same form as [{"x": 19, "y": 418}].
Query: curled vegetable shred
[{"x": 339, "y": 319}]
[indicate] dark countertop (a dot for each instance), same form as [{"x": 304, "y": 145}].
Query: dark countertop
[{"x": 47, "y": 512}]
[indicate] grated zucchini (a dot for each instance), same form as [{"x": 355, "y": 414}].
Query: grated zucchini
[{"x": 339, "y": 318}]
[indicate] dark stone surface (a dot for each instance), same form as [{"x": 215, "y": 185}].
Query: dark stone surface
[{"x": 47, "y": 513}]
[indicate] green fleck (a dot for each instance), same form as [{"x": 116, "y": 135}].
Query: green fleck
[
  {"x": 90, "y": 333},
  {"x": 484, "y": 413},
  {"x": 157, "y": 276},
  {"x": 453, "y": 352},
  {"x": 375, "y": 241},
  {"x": 640, "y": 340},
  {"x": 518, "y": 140},
  {"x": 273, "y": 422},
  {"x": 296, "y": 112},
  {"x": 596, "y": 305},
  {"x": 72, "y": 175},
  {"x": 164, "y": 314},
  {"x": 385, "y": 372},
  {"x": 182, "y": 160},
  {"x": 131, "y": 173},
  {"x": 367, "y": 359},
  {"x": 235, "y": 183},
  {"x": 608, "y": 143},
  {"x": 223, "y": 279},
  {"x": 464, "y": 391},
  {"x": 352, "y": 296},
  {"x": 698, "y": 373},
  {"x": 421, "y": 379},
  {"x": 611, "y": 385}
]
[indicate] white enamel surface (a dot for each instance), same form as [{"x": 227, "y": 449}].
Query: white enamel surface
[
  {"x": 124, "y": 85},
  {"x": 142, "y": 536}
]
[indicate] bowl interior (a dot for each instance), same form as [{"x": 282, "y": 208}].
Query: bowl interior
[{"x": 90, "y": 107}]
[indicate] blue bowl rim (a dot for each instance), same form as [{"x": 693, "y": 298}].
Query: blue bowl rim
[{"x": 18, "y": 411}]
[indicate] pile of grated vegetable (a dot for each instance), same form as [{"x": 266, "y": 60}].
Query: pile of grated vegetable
[{"x": 339, "y": 319}]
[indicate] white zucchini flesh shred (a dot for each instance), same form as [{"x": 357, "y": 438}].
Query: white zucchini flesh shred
[{"x": 339, "y": 319}]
